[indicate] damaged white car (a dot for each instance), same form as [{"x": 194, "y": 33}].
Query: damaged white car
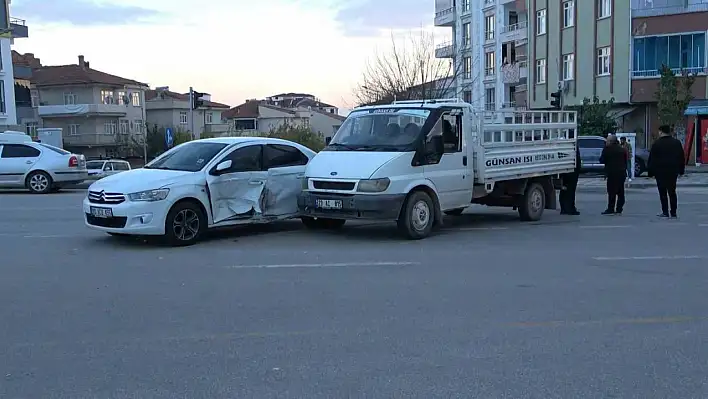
[{"x": 199, "y": 185}]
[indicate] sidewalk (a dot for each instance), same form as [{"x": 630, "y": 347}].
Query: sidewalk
[{"x": 689, "y": 180}]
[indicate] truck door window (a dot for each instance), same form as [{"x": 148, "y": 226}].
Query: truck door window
[{"x": 450, "y": 128}]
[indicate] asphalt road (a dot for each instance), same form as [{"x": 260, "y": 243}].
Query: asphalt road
[{"x": 570, "y": 307}]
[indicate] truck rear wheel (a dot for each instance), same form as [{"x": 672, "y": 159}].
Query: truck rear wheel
[
  {"x": 533, "y": 203},
  {"x": 418, "y": 216}
]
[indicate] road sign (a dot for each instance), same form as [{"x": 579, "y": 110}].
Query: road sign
[{"x": 169, "y": 138}]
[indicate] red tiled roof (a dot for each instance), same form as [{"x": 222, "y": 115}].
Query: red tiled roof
[
  {"x": 76, "y": 75},
  {"x": 152, "y": 94},
  {"x": 27, "y": 59}
]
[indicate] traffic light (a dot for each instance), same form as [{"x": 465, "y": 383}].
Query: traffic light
[
  {"x": 197, "y": 99},
  {"x": 556, "y": 100}
]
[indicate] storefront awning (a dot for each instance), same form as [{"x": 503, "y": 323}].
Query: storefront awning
[{"x": 697, "y": 107}]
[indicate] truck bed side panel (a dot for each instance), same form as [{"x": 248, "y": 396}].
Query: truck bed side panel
[{"x": 523, "y": 160}]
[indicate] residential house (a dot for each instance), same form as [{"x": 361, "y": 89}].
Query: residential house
[
  {"x": 10, "y": 29},
  {"x": 258, "y": 117},
  {"x": 170, "y": 109},
  {"x": 26, "y": 102},
  {"x": 100, "y": 114}
]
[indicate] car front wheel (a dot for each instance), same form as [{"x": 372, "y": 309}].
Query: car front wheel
[{"x": 184, "y": 224}]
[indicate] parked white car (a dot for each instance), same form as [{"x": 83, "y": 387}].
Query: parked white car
[
  {"x": 199, "y": 185},
  {"x": 39, "y": 167},
  {"x": 98, "y": 169}
]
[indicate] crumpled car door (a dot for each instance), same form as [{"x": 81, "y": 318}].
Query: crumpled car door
[
  {"x": 281, "y": 190},
  {"x": 236, "y": 195}
]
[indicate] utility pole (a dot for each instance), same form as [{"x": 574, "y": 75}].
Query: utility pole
[{"x": 191, "y": 111}]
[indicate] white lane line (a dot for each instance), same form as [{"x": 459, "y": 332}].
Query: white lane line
[
  {"x": 607, "y": 227},
  {"x": 480, "y": 228},
  {"x": 322, "y": 265},
  {"x": 676, "y": 257}
]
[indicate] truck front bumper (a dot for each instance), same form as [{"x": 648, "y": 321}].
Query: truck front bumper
[{"x": 384, "y": 207}]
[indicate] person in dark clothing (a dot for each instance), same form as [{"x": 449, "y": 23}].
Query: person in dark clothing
[
  {"x": 570, "y": 184},
  {"x": 666, "y": 163},
  {"x": 614, "y": 157}
]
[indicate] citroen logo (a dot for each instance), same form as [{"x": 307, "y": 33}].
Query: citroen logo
[
  {"x": 333, "y": 174},
  {"x": 102, "y": 195}
]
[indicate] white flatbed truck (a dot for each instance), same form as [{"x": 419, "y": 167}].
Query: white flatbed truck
[{"x": 414, "y": 161}]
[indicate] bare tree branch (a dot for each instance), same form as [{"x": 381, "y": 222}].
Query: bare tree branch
[{"x": 410, "y": 71}]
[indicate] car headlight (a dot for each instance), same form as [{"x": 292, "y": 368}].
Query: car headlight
[
  {"x": 150, "y": 195},
  {"x": 374, "y": 185}
]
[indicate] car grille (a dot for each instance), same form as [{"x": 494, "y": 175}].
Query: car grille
[
  {"x": 333, "y": 185},
  {"x": 100, "y": 197},
  {"x": 116, "y": 222}
]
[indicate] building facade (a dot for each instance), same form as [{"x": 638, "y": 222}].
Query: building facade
[
  {"x": 101, "y": 115},
  {"x": 10, "y": 29},
  {"x": 166, "y": 108}
]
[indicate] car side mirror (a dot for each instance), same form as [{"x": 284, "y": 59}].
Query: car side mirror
[
  {"x": 328, "y": 140},
  {"x": 222, "y": 167},
  {"x": 107, "y": 169}
]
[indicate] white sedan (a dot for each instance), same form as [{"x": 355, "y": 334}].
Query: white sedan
[{"x": 201, "y": 184}]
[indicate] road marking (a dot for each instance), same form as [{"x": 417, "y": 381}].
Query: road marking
[
  {"x": 635, "y": 321},
  {"x": 676, "y": 257},
  {"x": 43, "y": 208},
  {"x": 479, "y": 228},
  {"x": 25, "y": 235},
  {"x": 606, "y": 227},
  {"x": 314, "y": 265}
]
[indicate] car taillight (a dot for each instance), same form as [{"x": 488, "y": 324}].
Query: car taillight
[{"x": 73, "y": 161}]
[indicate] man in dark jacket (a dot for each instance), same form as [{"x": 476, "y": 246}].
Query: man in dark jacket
[
  {"x": 570, "y": 185},
  {"x": 666, "y": 163},
  {"x": 614, "y": 157}
]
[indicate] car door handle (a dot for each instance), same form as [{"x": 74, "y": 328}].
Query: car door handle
[
  {"x": 29, "y": 162},
  {"x": 464, "y": 160}
]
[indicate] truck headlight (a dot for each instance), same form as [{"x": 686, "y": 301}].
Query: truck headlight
[
  {"x": 373, "y": 185},
  {"x": 150, "y": 195}
]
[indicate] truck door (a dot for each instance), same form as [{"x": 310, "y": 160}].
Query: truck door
[{"x": 451, "y": 173}]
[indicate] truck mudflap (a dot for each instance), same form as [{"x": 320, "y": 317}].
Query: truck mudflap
[{"x": 384, "y": 207}]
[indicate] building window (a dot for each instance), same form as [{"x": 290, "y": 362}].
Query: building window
[
  {"x": 489, "y": 99},
  {"x": 122, "y": 99},
  {"x": 467, "y": 96},
  {"x": 135, "y": 99},
  {"x": 209, "y": 118},
  {"x": 466, "y": 34},
  {"x": 540, "y": 71},
  {"x": 183, "y": 118},
  {"x": 138, "y": 126},
  {"x": 69, "y": 99},
  {"x": 73, "y": 129},
  {"x": 465, "y": 5},
  {"x": 603, "y": 61},
  {"x": 678, "y": 52},
  {"x": 604, "y": 8},
  {"x": 124, "y": 126},
  {"x": 568, "y": 13},
  {"x": 107, "y": 97},
  {"x": 541, "y": 22},
  {"x": 489, "y": 27},
  {"x": 3, "y": 106},
  {"x": 110, "y": 127},
  {"x": 467, "y": 68},
  {"x": 568, "y": 66},
  {"x": 31, "y": 129},
  {"x": 489, "y": 59}
]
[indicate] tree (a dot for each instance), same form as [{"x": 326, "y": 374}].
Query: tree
[
  {"x": 673, "y": 95},
  {"x": 299, "y": 134},
  {"x": 410, "y": 71},
  {"x": 156, "y": 144},
  {"x": 594, "y": 117}
]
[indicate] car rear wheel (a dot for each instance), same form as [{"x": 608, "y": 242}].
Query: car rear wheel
[
  {"x": 39, "y": 182},
  {"x": 639, "y": 167},
  {"x": 184, "y": 224}
]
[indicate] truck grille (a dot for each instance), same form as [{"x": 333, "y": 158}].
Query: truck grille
[
  {"x": 333, "y": 185},
  {"x": 101, "y": 197}
]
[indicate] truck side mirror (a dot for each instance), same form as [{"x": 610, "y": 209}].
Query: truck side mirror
[{"x": 328, "y": 140}]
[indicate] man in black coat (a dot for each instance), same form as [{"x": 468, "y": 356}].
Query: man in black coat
[
  {"x": 666, "y": 163},
  {"x": 614, "y": 157},
  {"x": 570, "y": 185}
]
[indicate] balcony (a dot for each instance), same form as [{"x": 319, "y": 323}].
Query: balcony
[
  {"x": 91, "y": 139},
  {"x": 82, "y": 109},
  {"x": 445, "y": 50},
  {"x": 653, "y": 8},
  {"x": 514, "y": 33},
  {"x": 655, "y": 74},
  {"x": 513, "y": 73},
  {"x": 445, "y": 17},
  {"x": 18, "y": 27},
  {"x": 216, "y": 128}
]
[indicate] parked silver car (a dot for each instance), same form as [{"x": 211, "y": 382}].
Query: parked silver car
[
  {"x": 98, "y": 169},
  {"x": 39, "y": 167},
  {"x": 591, "y": 149}
]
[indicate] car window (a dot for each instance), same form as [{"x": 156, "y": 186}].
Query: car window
[
  {"x": 94, "y": 165},
  {"x": 246, "y": 159},
  {"x": 120, "y": 166},
  {"x": 19, "y": 151},
  {"x": 55, "y": 149},
  {"x": 281, "y": 155}
]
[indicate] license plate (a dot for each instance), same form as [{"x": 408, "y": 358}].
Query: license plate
[
  {"x": 101, "y": 212},
  {"x": 328, "y": 204}
]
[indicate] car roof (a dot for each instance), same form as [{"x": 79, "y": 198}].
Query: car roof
[
  {"x": 239, "y": 140},
  {"x": 591, "y": 137}
]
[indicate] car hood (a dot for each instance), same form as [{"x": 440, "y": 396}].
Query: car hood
[
  {"x": 348, "y": 164},
  {"x": 132, "y": 181}
]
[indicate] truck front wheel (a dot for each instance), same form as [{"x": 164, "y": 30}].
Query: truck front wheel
[
  {"x": 418, "y": 216},
  {"x": 533, "y": 203}
]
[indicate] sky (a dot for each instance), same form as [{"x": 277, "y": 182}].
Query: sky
[{"x": 233, "y": 49}]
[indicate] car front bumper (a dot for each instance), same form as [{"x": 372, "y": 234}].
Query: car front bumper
[
  {"x": 134, "y": 218},
  {"x": 384, "y": 207}
]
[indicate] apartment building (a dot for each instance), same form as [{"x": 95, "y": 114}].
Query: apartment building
[
  {"x": 488, "y": 49},
  {"x": 166, "y": 108},
  {"x": 101, "y": 115},
  {"x": 10, "y": 29},
  {"x": 25, "y": 103}
]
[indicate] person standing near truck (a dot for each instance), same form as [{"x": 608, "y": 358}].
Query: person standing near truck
[
  {"x": 666, "y": 163},
  {"x": 570, "y": 185},
  {"x": 614, "y": 157}
]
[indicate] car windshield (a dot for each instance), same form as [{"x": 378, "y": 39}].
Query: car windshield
[
  {"x": 380, "y": 129},
  {"x": 94, "y": 165},
  {"x": 55, "y": 149},
  {"x": 189, "y": 157}
]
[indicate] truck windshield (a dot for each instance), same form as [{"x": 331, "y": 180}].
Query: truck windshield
[{"x": 380, "y": 129}]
